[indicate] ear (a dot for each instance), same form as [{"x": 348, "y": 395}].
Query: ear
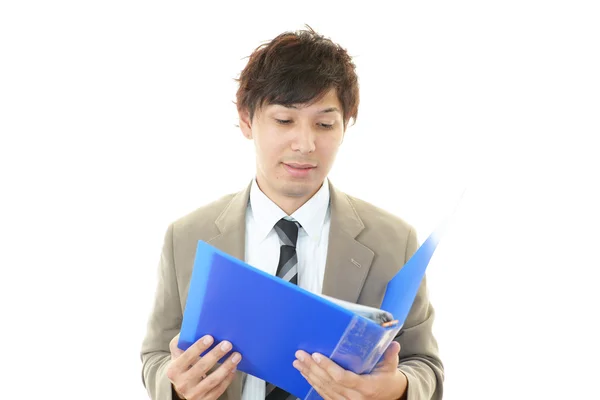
[{"x": 245, "y": 124}]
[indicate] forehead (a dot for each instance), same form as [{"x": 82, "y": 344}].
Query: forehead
[{"x": 329, "y": 102}]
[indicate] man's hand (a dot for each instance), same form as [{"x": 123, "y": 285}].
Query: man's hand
[
  {"x": 187, "y": 371},
  {"x": 333, "y": 382}
]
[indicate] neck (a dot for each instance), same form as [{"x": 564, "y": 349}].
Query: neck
[{"x": 289, "y": 204}]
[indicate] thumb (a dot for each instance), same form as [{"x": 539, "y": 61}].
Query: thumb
[
  {"x": 175, "y": 351},
  {"x": 392, "y": 352},
  {"x": 389, "y": 359}
]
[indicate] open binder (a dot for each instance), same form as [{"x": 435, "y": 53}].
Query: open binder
[{"x": 268, "y": 319}]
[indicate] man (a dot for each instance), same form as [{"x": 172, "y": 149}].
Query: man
[{"x": 296, "y": 97}]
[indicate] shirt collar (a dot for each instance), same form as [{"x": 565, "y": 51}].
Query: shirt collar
[{"x": 311, "y": 215}]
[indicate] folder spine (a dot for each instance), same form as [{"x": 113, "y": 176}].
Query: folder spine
[{"x": 190, "y": 332}]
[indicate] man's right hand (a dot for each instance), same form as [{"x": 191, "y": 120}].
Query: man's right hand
[{"x": 187, "y": 371}]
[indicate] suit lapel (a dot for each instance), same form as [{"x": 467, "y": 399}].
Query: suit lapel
[
  {"x": 232, "y": 226},
  {"x": 348, "y": 261}
]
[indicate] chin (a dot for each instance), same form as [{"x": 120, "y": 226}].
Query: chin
[{"x": 299, "y": 188}]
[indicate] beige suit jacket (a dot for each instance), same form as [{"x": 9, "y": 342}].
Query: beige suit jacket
[{"x": 367, "y": 246}]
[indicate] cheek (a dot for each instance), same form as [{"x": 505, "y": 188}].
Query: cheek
[
  {"x": 328, "y": 149},
  {"x": 269, "y": 151}
]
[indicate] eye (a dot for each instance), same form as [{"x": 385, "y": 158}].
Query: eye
[
  {"x": 283, "y": 121},
  {"x": 326, "y": 126}
]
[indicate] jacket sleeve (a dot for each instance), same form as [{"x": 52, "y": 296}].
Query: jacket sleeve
[
  {"x": 419, "y": 356},
  {"x": 164, "y": 323}
]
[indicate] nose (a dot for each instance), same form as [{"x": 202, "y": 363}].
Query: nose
[{"x": 304, "y": 140}]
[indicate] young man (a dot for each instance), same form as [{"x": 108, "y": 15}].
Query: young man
[{"x": 296, "y": 97}]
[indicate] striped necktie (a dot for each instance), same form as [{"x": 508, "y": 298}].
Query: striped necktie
[{"x": 287, "y": 269}]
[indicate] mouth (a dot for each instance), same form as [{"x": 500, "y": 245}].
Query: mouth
[
  {"x": 300, "y": 166},
  {"x": 299, "y": 170}
]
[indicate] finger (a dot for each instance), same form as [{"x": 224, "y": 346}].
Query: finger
[
  {"x": 329, "y": 371},
  {"x": 218, "y": 390},
  {"x": 305, "y": 364},
  {"x": 203, "y": 366},
  {"x": 318, "y": 377},
  {"x": 341, "y": 376},
  {"x": 192, "y": 354},
  {"x": 322, "y": 390},
  {"x": 222, "y": 374}
]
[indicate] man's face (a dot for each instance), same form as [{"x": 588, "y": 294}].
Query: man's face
[{"x": 295, "y": 146}]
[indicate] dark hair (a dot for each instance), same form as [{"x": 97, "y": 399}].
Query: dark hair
[{"x": 298, "y": 68}]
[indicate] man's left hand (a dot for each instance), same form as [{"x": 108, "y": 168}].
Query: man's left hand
[{"x": 333, "y": 382}]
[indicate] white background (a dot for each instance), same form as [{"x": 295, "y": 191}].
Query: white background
[{"x": 116, "y": 118}]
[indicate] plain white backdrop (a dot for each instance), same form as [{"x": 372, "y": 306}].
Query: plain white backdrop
[{"x": 117, "y": 117}]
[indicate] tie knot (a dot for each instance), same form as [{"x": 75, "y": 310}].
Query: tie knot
[{"x": 287, "y": 231}]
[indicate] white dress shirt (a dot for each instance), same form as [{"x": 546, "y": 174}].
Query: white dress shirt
[{"x": 262, "y": 248}]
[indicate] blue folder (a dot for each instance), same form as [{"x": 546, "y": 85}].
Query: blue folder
[{"x": 268, "y": 319}]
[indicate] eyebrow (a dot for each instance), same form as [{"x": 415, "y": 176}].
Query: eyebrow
[
  {"x": 326, "y": 110},
  {"x": 330, "y": 109}
]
